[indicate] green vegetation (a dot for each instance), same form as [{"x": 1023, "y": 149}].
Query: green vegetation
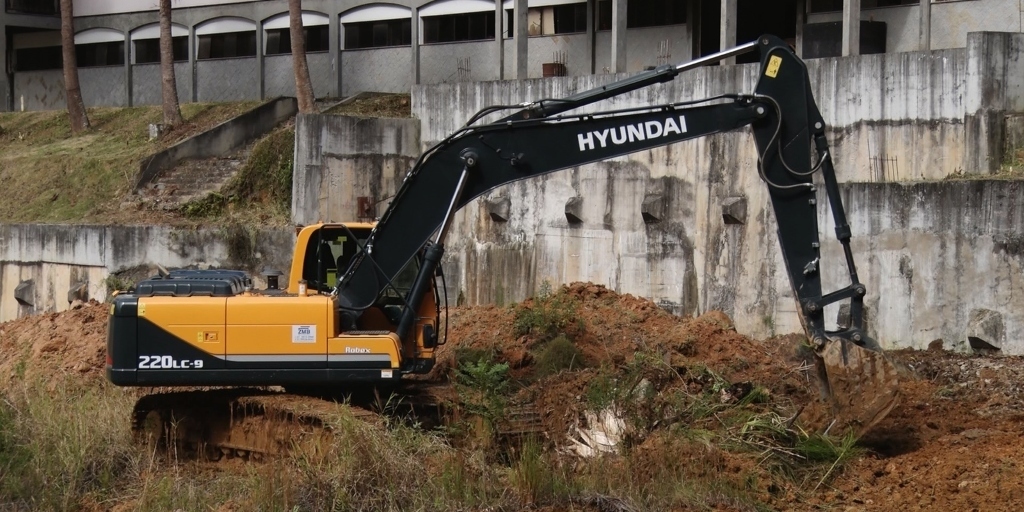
[
  {"x": 60, "y": 178},
  {"x": 548, "y": 315}
]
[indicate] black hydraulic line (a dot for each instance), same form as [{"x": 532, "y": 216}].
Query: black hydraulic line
[{"x": 666, "y": 73}]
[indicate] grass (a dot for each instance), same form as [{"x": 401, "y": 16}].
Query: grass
[{"x": 60, "y": 178}]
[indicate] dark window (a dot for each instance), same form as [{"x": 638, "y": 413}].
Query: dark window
[
  {"x": 227, "y": 45},
  {"x": 148, "y": 50},
  {"x": 378, "y": 34},
  {"x": 867, "y": 4},
  {"x": 826, "y": 5},
  {"x": 643, "y": 13},
  {"x": 48, "y": 7},
  {"x": 473, "y": 26},
  {"x": 279, "y": 40},
  {"x": 570, "y": 18},
  {"x": 100, "y": 54},
  {"x": 38, "y": 59}
]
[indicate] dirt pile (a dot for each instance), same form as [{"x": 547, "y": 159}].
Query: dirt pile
[
  {"x": 690, "y": 404},
  {"x": 70, "y": 342}
]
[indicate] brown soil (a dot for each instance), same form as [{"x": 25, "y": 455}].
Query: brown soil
[{"x": 953, "y": 442}]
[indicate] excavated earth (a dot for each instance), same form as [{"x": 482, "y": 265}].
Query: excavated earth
[{"x": 953, "y": 442}]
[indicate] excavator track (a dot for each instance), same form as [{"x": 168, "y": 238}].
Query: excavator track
[
  {"x": 236, "y": 423},
  {"x": 253, "y": 423}
]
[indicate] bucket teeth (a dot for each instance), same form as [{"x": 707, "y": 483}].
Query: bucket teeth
[{"x": 861, "y": 385}]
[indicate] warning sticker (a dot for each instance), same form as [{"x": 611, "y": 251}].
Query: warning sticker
[
  {"x": 772, "y": 70},
  {"x": 303, "y": 334}
]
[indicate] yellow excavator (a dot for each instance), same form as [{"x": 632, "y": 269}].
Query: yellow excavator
[{"x": 362, "y": 302}]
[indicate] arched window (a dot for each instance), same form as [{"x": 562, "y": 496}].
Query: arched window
[
  {"x": 277, "y": 38},
  {"x": 225, "y": 38},
  {"x": 448, "y": 21},
  {"x": 146, "y": 43},
  {"x": 376, "y": 26},
  {"x": 99, "y": 47}
]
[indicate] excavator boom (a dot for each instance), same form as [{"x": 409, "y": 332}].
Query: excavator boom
[{"x": 545, "y": 136}]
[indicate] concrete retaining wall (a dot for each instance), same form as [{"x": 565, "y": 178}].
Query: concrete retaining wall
[
  {"x": 344, "y": 158},
  {"x": 930, "y": 253},
  {"x": 56, "y": 258}
]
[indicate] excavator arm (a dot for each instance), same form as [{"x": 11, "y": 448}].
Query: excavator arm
[{"x": 545, "y": 136}]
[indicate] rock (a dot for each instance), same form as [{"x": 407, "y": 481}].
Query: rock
[
  {"x": 78, "y": 292},
  {"x": 935, "y": 345},
  {"x": 76, "y": 304},
  {"x": 974, "y": 433},
  {"x": 843, "y": 316},
  {"x": 985, "y": 331}
]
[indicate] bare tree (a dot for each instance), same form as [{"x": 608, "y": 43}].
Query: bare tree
[
  {"x": 76, "y": 107},
  {"x": 172, "y": 112},
  {"x": 303, "y": 87}
]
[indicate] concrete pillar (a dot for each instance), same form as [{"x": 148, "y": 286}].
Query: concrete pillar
[
  {"x": 521, "y": 25},
  {"x": 260, "y": 69},
  {"x": 727, "y": 36},
  {"x": 618, "y": 36},
  {"x": 334, "y": 47},
  {"x": 851, "y": 27},
  {"x": 128, "y": 69},
  {"x": 926, "y": 25},
  {"x": 591, "y": 36},
  {"x": 6, "y": 87},
  {"x": 415, "y": 45},
  {"x": 193, "y": 48},
  {"x": 801, "y": 20},
  {"x": 499, "y": 38},
  {"x": 693, "y": 22}
]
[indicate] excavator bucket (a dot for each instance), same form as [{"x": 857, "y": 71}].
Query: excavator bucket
[{"x": 860, "y": 385}]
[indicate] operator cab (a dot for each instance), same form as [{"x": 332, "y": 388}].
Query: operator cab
[{"x": 330, "y": 250}]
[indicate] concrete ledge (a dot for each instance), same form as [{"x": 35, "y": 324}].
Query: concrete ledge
[{"x": 221, "y": 139}]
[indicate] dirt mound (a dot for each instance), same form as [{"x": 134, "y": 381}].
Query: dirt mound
[
  {"x": 72, "y": 341},
  {"x": 702, "y": 403}
]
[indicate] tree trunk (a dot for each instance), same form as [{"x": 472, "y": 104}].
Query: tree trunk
[
  {"x": 76, "y": 107},
  {"x": 303, "y": 87},
  {"x": 172, "y": 112}
]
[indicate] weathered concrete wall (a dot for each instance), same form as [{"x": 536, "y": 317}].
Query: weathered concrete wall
[
  {"x": 55, "y": 258},
  {"x": 892, "y": 117},
  {"x": 995, "y": 88},
  {"x": 339, "y": 159},
  {"x": 147, "y": 88},
  {"x": 227, "y": 80},
  {"x": 931, "y": 253},
  {"x": 39, "y": 90},
  {"x": 103, "y": 86},
  {"x": 906, "y": 106},
  {"x": 458, "y": 62},
  {"x": 279, "y": 74},
  {"x": 362, "y": 70}
]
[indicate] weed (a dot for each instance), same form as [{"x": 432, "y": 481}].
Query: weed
[
  {"x": 115, "y": 283},
  {"x": 547, "y": 316},
  {"x": 266, "y": 177},
  {"x": 557, "y": 355},
  {"x": 211, "y": 205}
]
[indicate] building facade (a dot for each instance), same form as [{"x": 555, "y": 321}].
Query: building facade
[{"x": 237, "y": 50}]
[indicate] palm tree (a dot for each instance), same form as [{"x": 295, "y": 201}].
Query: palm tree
[
  {"x": 172, "y": 112},
  {"x": 303, "y": 87},
  {"x": 76, "y": 107}
]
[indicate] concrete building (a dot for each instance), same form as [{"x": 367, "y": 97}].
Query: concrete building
[{"x": 237, "y": 49}]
